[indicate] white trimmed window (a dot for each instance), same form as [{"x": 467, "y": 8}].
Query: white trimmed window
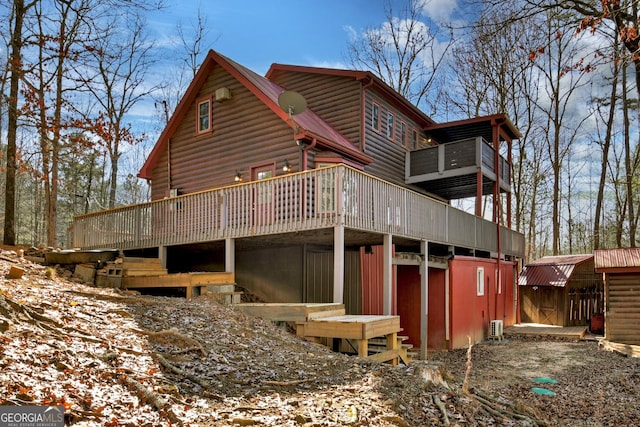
[
  {"x": 375, "y": 117},
  {"x": 203, "y": 122},
  {"x": 480, "y": 281},
  {"x": 390, "y": 125}
]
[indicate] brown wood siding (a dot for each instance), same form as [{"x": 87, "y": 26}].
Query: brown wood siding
[
  {"x": 245, "y": 133},
  {"x": 335, "y": 99},
  {"x": 623, "y": 308},
  {"x": 388, "y": 155}
]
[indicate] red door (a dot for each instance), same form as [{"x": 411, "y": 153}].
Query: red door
[
  {"x": 410, "y": 306},
  {"x": 409, "y": 302}
]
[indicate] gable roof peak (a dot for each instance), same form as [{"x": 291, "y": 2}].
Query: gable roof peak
[{"x": 311, "y": 126}]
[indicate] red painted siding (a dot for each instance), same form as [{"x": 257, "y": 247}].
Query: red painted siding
[
  {"x": 436, "y": 330},
  {"x": 372, "y": 266},
  {"x": 409, "y": 302},
  {"x": 471, "y": 313}
]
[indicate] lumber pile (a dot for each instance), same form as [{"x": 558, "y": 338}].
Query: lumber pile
[{"x": 113, "y": 272}]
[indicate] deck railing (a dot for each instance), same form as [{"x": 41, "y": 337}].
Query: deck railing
[
  {"x": 464, "y": 156},
  {"x": 315, "y": 199}
]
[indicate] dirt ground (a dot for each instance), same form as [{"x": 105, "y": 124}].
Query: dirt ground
[{"x": 116, "y": 359}]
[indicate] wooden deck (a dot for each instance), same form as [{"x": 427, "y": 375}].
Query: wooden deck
[
  {"x": 576, "y": 332},
  {"x": 325, "y": 322},
  {"x": 360, "y": 328},
  {"x": 291, "y": 312}
]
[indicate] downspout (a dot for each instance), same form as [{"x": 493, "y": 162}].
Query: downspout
[
  {"x": 305, "y": 152},
  {"x": 497, "y": 209},
  {"x": 169, "y": 165}
]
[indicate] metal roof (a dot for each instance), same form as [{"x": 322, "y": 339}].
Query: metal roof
[
  {"x": 561, "y": 259},
  {"x": 473, "y": 127},
  {"x": 551, "y": 270},
  {"x": 622, "y": 259},
  {"x": 311, "y": 126}
]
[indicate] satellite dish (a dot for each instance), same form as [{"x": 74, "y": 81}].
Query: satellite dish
[{"x": 292, "y": 102}]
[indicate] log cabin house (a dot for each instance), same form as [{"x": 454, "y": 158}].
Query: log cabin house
[
  {"x": 620, "y": 269},
  {"x": 346, "y": 201}
]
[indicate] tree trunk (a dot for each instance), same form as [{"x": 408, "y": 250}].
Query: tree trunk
[
  {"x": 15, "y": 66},
  {"x": 597, "y": 243}
]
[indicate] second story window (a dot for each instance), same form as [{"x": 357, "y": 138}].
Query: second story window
[
  {"x": 204, "y": 116},
  {"x": 414, "y": 139},
  {"x": 390, "y": 125},
  {"x": 375, "y": 117}
]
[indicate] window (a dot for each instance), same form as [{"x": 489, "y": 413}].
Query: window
[
  {"x": 375, "y": 117},
  {"x": 390, "y": 125},
  {"x": 414, "y": 139},
  {"x": 403, "y": 134},
  {"x": 480, "y": 281},
  {"x": 204, "y": 116}
]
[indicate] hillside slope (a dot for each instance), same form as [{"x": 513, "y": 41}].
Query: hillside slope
[{"x": 113, "y": 359}]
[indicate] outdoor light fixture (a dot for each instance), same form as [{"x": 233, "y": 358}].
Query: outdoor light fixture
[
  {"x": 287, "y": 167},
  {"x": 238, "y": 177}
]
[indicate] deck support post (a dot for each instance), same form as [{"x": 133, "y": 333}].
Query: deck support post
[
  {"x": 338, "y": 264},
  {"x": 387, "y": 271},
  {"x": 424, "y": 298},
  {"x": 162, "y": 254},
  {"x": 230, "y": 255}
]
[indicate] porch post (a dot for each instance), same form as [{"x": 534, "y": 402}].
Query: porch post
[
  {"x": 162, "y": 254},
  {"x": 338, "y": 264},
  {"x": 387, "y": 279},
  {"x": 424, "y": 298},
  {"x": 230, "y": 255}
]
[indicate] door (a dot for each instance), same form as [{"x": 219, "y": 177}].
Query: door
[
  {"x": 263, "y": 194},
  {"x": 408, "y": 277}
]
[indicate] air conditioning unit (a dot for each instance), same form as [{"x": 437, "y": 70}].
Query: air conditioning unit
[
  {"x": 496, "y": 329},
  {"x": 223, "y": 93}
]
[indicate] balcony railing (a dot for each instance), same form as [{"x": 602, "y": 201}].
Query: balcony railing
[
  {"x": 310, "y": 200},
  {"x": 445, "y": 164}
]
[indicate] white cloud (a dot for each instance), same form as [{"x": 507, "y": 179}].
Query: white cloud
[{"x": 438, "y": 10}]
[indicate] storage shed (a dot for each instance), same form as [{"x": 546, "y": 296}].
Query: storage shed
[
  {"x": 621, "y": 271},
  {"x": 560, "y": 290}
]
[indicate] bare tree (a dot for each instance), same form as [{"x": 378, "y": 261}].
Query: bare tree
[
  {"x": 59, "y": 27},
  {"x": 196, "y": 43},
  {"x": 20, "y": 9},
  {"x": 122, "y": 62},
  {"x": 404, "y": 52}
]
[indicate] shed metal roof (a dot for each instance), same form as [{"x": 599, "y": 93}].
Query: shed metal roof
[
  {"x": 617, "y": 260},
  {"x": 551, "y": 270}
]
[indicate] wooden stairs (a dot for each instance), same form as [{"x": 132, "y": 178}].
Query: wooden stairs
[
  {"x": 146, "y": 273},
  {"x": 374, "y": 337},
  {"x": 378, "y": 350}
]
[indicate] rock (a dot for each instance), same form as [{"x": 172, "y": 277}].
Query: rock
[
  {"x": 15, "y": 272},
  {"x": 243, "y": 422}
]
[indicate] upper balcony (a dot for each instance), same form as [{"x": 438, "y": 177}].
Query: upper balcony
[{"x": 452, "y": 170}]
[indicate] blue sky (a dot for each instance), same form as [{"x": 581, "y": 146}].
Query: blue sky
[{"x": 257, "y": 33}]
